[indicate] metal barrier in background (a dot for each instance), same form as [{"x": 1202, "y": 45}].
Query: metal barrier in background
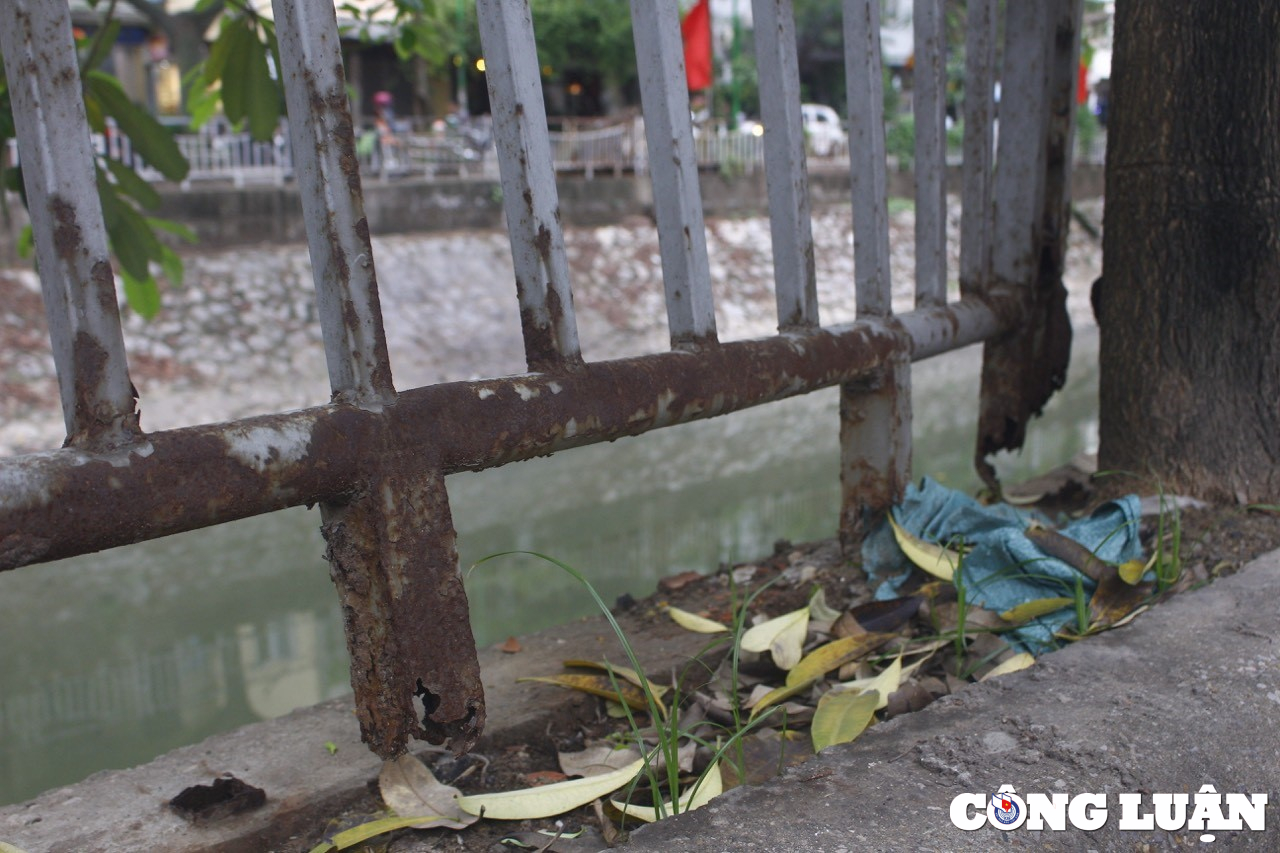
[{"x": 375, "y": 458}]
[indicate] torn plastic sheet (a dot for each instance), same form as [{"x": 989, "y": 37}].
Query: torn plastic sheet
[{"x": 1002, "y": 567}]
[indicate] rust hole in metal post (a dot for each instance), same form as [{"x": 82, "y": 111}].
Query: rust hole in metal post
[{"x": 393, "y": 559}]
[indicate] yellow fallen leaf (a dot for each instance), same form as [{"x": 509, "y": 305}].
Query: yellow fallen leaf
[
  {"x": 883, "y": 684},
  {"x": 778, "y": 694},
  {"x": 782, "y": 637},
  {"x": 1022, "y": 660},
  {"x": 1028, "y": 610},
  {"x": 1131, "y": 571},
  {"x": 548, "y": 800},
  {"x": 344, "y": 840},
  {"x": 9, "y": 848},
  {"x": 625, "y": 673},
  {"x": 841, "y": 717},
  {"x": 709, "y": 786},
  {"x": 599, "y": 685},
  {"x": 933, "y": 558},
  {"x": 834, "y": 655},
  {"x": 694, "y": 622}
]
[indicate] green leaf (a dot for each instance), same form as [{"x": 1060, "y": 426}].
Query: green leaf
[
  {"x": 133, "y": 185},
  {"x": 262, "y": 98},
  {"x": 215, "y": 64},
  {"x": 102, "y": 43},
  {"x": 841, "y": 717},
  {"x": 94, "y": 115},
  {"x": 149, "y": 138},
  {"x": 240, "y": 43},
  {"x": 175, "y": 228},
  {"x": 26, "y": 242},
  {"x": 134, "y": 243},
  {"x": 143, "y": 295},
  {"x": 172, "y": 266}
]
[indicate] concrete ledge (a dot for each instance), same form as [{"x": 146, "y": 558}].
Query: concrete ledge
[
  {"x": 224, "y": 216},
  {"x": 117, "y": 811},
  {"x": 1186, "y": 695}
]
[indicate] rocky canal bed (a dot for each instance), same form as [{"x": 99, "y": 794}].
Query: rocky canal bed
[{"x": 241, "y": 337}]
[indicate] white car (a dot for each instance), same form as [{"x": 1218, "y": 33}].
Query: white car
[{"x": 823, "y": 130}]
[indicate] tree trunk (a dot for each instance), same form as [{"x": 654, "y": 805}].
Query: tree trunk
[{"x": 1189, "y": 301}]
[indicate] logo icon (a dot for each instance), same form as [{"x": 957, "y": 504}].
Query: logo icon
[{"x": 1004, "y": 809}]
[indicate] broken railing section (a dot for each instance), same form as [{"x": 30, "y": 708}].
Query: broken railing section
[
  {"x": 1022, "y": 370},
  {"x": 392, "y": 556},
  {"x": 66, "y": 218}
]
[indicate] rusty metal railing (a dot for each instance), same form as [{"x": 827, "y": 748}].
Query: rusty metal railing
[{"x": 375, "y": 458}]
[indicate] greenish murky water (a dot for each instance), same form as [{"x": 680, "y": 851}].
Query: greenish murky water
[{"x": 114, "y": 658}]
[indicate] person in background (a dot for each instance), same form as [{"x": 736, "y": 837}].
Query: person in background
[{"x": 384, "y": 118}]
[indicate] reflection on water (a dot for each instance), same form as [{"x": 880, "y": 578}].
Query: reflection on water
[{"x": 113, "y": 658}]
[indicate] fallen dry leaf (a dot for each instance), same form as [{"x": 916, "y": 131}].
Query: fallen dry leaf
[
  {"x": 510, "y": 646},
  {"x": 548, "y": 800},
  {"x": 411, "y": 790},
  {"x": 596, "y": 760},
  {"x": 782, "y": 636}
]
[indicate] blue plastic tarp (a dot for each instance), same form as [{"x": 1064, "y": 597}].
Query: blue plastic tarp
[{"x": 1002, "y": 568}]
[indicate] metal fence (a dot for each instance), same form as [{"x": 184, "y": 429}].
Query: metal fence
[
  {"x": 217, "y": 153},
  {"x": 375, "y": 458}
]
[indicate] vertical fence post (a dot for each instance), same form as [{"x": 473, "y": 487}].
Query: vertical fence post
[
  {"x": 673, "y": 170},
  {"x": 528, "y": 184},
  {"x": 787, "y": 179},
  {"x": 929, "y": 107},
  {"x": 66, "y": 219},
  {"x": 875, "y": 416},
  {"x": 391, "y": 542},
  {"x": 975, "y": 211},
  {"x": 1021, "y": 371}
]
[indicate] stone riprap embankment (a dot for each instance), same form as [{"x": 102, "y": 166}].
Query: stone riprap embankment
[{"x": 241, "y": 336}]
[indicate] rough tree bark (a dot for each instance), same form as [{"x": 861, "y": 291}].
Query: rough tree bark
[{"x": 1189, "y": 301}]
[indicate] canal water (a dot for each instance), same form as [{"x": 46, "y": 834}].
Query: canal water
[{"x": 113, "y": 658}]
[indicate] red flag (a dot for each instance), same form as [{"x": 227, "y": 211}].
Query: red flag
[
  {"x": 696, "y": 29},
  {"x": 1082, "y": 83}
]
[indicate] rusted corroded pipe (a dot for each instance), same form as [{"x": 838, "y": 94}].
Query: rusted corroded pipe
[{"x": 66, "y": 502}]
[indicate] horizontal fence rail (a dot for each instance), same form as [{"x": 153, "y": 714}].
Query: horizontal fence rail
[{"x": 375, "y": 458}]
